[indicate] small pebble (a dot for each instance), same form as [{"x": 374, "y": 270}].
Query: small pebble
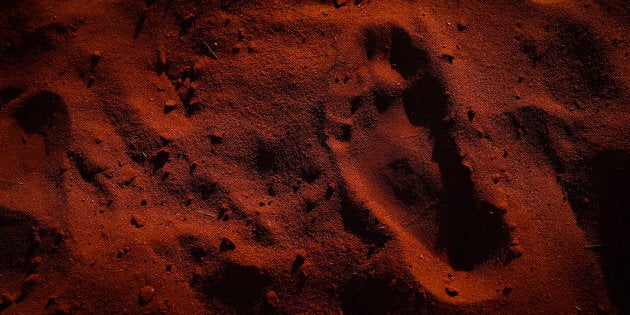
[
  {"x": 516, "y": 251},
  {"x": 146, "y": 295},
  {"x": 300, "y": 258},
  {"x": 496, "y": 177},
  {"x": 169, "y": 106},
  {"x": 451, "y": 292},
  {"x": 226, "y": 244},
  {"x": 447, "y": 58},
  {"x": 340, "y": 3},
  {"x": 138, "y": 223},
  {"x": 97, "y": 55}
]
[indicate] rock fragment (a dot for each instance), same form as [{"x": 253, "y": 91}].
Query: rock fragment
[
  {"x": 169, "y": 106},
  {"x": 160, "y": 158},
  {"x": 447, "y": 58},
  {"x": 340, "y": 3},
  {"x": 226, "y": 244},
  {"x": 146, "y": 295},
  {"x": 515, "y": 251},
  {"x": 300, "y": 258},
  {"x": 138, "y": 223},
  {"x": 451, "y": 291}
]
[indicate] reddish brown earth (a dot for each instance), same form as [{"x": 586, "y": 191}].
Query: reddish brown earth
[{"x": 364, "y": 157}]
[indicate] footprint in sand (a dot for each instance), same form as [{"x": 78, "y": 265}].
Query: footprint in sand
[{"x": 419, "y": 188}]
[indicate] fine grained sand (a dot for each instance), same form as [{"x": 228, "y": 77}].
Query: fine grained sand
[{"x": 364, "y": 157}]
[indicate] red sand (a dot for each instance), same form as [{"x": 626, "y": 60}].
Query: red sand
[{"x": 364, "y": 157}]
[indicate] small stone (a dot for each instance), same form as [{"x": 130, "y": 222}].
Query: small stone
[
  {"x": 512, "y": 226},
  {"x": 447, "y": 58},
  {"x": 340, "y": 3},
  {"x": 123, "y": 252},
  {"x": 146, "y": 295},
  {"x": 300, "y": 258},
  {"x": 97, "y": 55},
  {"x": 160, "y": 158},
  {"x": 188, "y": 18},
  {"x": 496, "y": 177},
  {"x": 215, "y": 138},
  {"x": 226, "y": 244},
  {"x": 451, "y": 291},
  {"x": 169, "y": 106},
  {"x": 236, "y": 48},
  {"x": 330, "y": 190},
  {"x": 480, "y": 133},
  {"x": 138, "y": 223},
  {"x": 272, "y": 299},
  {"x": 515, "y": 251},
  {"x": 94, "y": 59},
  {"x": 468, "y": 166}
]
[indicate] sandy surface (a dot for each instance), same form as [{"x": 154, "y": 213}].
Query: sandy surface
[{"x": 364, "y": 157}]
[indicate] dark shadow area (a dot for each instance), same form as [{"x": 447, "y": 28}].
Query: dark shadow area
[
  {"x": 471, "y": 232},
  {"x": 45, "y": 113},
  {"x": 532, "y": 124},
  {"x": 17, "y": 245},
  {"x": 9, "y": 94},
  {"x": 600, "y": 197},
  {"x": 359, "y": 221},
  {"x": 366, "y": 294},
  {"x": 241, "y": 287}
]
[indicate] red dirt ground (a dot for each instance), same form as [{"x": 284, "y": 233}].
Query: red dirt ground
[{"x": 364, "y": 157}]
